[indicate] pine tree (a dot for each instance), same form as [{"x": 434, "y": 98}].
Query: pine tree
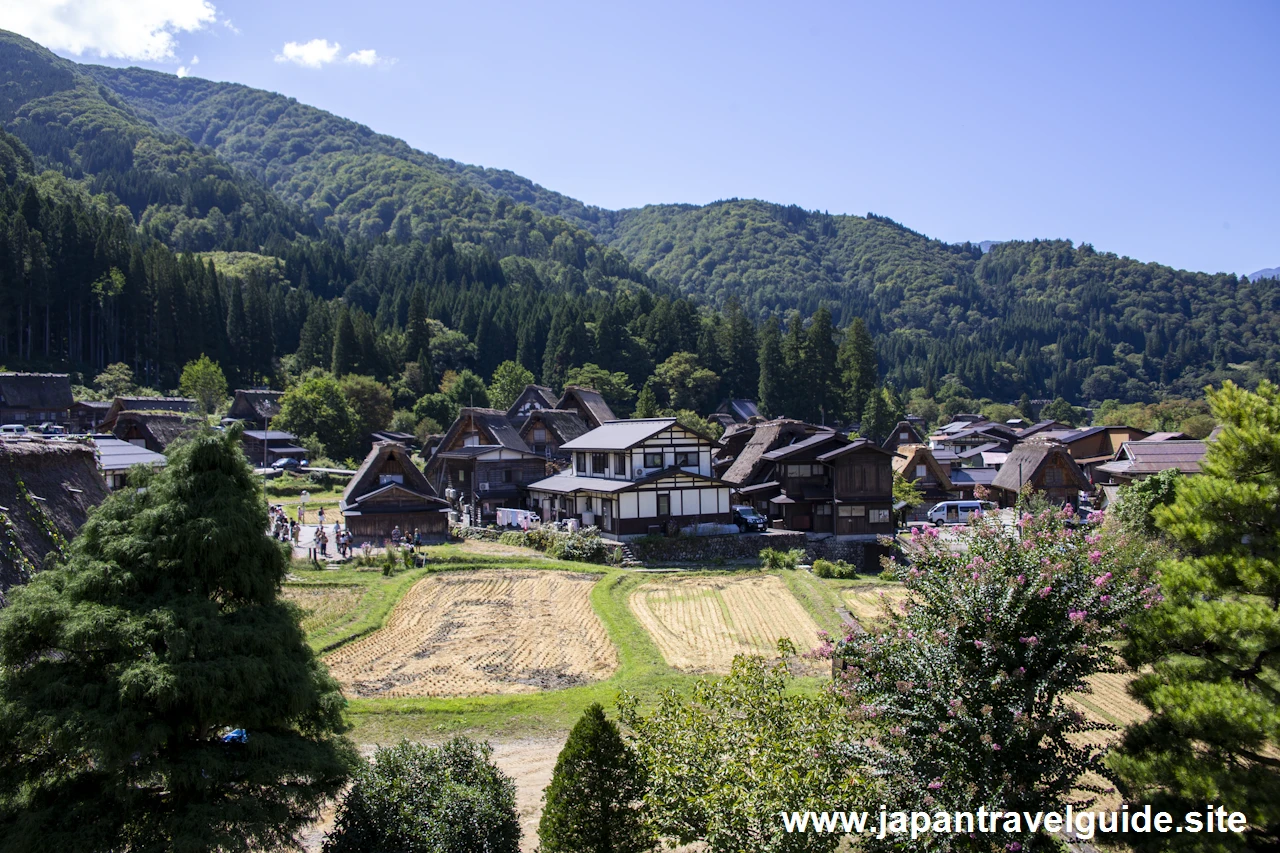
[
  {"x": 797, "y": 390},
  {"x": 875, "y": 423},
  {"x": 771, "y": 390},
  {"x": 345, "y": 346},
  {"x": 823, "y": 370},
  {"x": 647, "y": 402},
  {"x": 122, "y": 669},
  {"x": 739, "y": 354},
  {"x": 238, "y": 334},
  {"x": 592, "y": 803},
  {"x": 1210, "y": 651},
  {"x": 859, "y": 367},
  {"x": 417, "y": 335}
]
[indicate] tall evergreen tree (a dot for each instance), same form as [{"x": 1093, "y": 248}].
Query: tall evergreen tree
[
  {"x": 238, "y": 334},
  {"x": 647, "y": 402},
  {"x": 417, "y": 335},
  {"x": 859, "y": 367},
  {"x": 593, "y": 801},
  {"x": 823, "y": 371},
  {"x": 345, "y": 347},
  {"x": 123, "y": 669},
  {"x": 739, "y": 354},
  {"x": 771, "y": 393},
  {"x": 797, "y": 391},
  {"x": 1210, "y": 652}
]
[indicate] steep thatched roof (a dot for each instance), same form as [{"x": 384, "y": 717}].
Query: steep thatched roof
[
  {"x": 750, "y": 463},
  {"x": 386, "y": 457},
  {"x": 255, "y": 405},
  {"x": 146, "y": 404},
  {"x": 164, "y": 427},
  {"x": 61, "y": 485},
  {"x": 1026, "y": 459},
  {"x": 43, "y": 391},
  {"x": 589, "y": 402},
  {"x": 565, "y": 425},
  {"x": 910, "y": 455}
]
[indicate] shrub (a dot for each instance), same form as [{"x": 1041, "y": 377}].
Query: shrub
[
  {"x": 772, "y": 558},
  {"x": 420, "y": 799},
  {"x": 514, "y": 537},
  {"x": 592, "y": 803},
  {"x": 839, "y": 569}
]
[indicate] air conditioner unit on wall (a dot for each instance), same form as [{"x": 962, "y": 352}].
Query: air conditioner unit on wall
[{"x": 639, "y": 472}]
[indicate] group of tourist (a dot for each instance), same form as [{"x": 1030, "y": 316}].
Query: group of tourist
[{"x": 282, "y": 527}]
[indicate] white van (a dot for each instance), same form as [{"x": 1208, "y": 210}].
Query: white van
[
  {"x": 13, "y": 429},
  {"x": 958, "y": 512}
]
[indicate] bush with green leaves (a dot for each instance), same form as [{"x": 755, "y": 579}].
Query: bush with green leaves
[
  {"x": 723, "y": 762},
  {"x": 515, "y": 538},
  {"x": 825, "y": 568},
  {"x": 773, "y": 558},
  {"x": 1135, "y": 510},
  {"x": 413, "y": 798},
  {"x": 968, "y": 686},
  {"x": 593, "y": 804}
]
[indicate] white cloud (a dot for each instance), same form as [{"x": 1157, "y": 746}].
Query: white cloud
[
  {"x": 123, "y": 29},
  {"x": 313, "y": 54},
  {"x": 184, "y": 70},
  {"x": 364, "y": 57}
]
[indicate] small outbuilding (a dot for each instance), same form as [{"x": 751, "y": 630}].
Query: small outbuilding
[{"x": 389, "y": 491}]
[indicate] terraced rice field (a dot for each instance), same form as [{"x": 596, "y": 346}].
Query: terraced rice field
[
  {"x": 701, "y": 623},
  {"x": 1110, "y": 701},
  {"x": 323, "y": 605},
  {"x": 481, "y": 632},
  {"x": 866, "y": 601}
]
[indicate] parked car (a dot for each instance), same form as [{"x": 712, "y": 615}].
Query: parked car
[
  {"x": 958, "y": 512},
  {"x": 13, "y": 429},
  {"x": 53, "y": 429},
  {"x": 286, "y": 463},
  {"x": 748, "y": 519}
]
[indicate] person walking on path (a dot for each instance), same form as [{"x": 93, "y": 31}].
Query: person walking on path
[
  {"x": 320, "y": 516},
  {"x": 295, "y": 532},
  {"x": 417, "y": 540}
]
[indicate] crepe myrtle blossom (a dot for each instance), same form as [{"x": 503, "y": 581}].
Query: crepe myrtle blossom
[{"x": 1002, "y": 630}]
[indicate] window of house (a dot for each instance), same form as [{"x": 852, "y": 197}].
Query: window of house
[
  {"x": 506, "y": 475},
  {"x": 879, "y": 516},
  {"x": 857, "y": 511},
  {"x": 461, "y": 475},
  {"x": 539, "y": 435},
  {"x": 822, "y": 509},
  {"x": 1053, "y": 477},
  {"x": 384, "y": 479},
  {"x": 902, "y": 436},
  {"x": 598, "y": 463},
  {"x": 652, "y": 461},
  {"x": 921, "y": 470},
  {"x": 471, "y": 440},
  {"x": 620, "y": 464},
  {"x": 686, "y": 459},
  {"x": 664, "y": 505},
  {"x": 580, "y": 462}
]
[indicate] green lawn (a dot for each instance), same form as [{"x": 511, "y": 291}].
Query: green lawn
[{"x": 367, "y": 598}]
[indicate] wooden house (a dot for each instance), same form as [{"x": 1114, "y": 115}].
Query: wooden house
[
  {"x": 263, "y": 448},
  {"x": 749, "y": 471},
  {"x": 917, "y": 464},
  {"x": 1137, "y": 460},
  {"x": 483, "y": 463},
  {"x": 587, "y": 403},
  {"x": 634, "y": 477},
  {"x": 153, "y": 430},
  {"x": 86, "y": 416},
  {"x": 830, "y": 484},
  {"x": 35, "y": 398},
  {"x": 904, "y": 433},
  {"x": 1046, "y": 465},
  {"x": 115, "y": 458},
  {"x": 255, "y": 406},
  {"x": 389, "y": 491},
  {"x": 179, "y": 405},
  {"x": 1093, "y": 446},
  {"x": 533, "y": 398},
  {"x": 545, "y": 431}
]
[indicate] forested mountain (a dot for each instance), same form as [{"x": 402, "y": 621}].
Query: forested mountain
[{"x": 148, "y": 218}]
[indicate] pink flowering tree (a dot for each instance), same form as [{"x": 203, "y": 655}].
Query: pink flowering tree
[{"x": 967, "y": 683}]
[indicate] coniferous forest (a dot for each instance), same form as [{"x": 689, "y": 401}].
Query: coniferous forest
[{"x": 148, "y": 219}]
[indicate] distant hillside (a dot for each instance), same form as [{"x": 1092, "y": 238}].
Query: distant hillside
[{"x": 1273, "y": 272}]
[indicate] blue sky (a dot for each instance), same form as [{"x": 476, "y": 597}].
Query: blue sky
[{"x": 1147, "y": 129}]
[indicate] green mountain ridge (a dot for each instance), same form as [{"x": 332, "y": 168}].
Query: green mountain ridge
[{"x": 206, "y": 166}]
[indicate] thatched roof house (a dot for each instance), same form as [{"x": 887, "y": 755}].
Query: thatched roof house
[
  {"x": 153, "y": 430},
  {"x": 749, "y": 465},
  {"x": 388, "y": 491},
  {"x": 33, "y": 398},
  {"x": 531, "y": 399},
  {"x": 145, "y": 404},
  {"x": 45, "y": 486},
  {"x": 255, "y": 405},
  {"x": 1046, "y": 465},
  {"x": 587, "y": 403},
  {"x": 546, "y": 429}
]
